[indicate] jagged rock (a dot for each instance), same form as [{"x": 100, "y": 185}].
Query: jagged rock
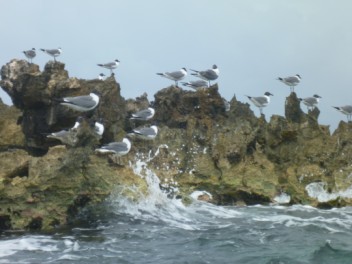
[{"x": 236, "y": 157}]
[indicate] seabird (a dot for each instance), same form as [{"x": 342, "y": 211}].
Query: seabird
[
  {"x": 260, "y": 101},
  {"x": 83, "y": 103},
  {"x": 110, "y": 65},
  {"x": 145, "y": 114},
  {"x": 101, "y": 77},
  {"x": 30, "y": 54},
  {"x": 196, "y": 85},
  {"x": 346, "y": 110},
  {"x": 311, "y": 102},
  {"x": 67, "y": 136},
  {"x": 175, "y": 76},
  {"x": 99, "y": 127},
  {"x": 117, "y": 148},
  {"x": 207, "y": 75},
  {"x": 53, "y": 52},
  {"x": 291, "y": 81},
  {"x": 147, "y": 133}
]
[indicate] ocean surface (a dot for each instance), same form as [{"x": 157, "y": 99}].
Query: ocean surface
[{"x": 160, "y": 229}]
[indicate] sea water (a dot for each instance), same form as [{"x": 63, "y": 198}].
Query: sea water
[{"x": 159, "y": 228}]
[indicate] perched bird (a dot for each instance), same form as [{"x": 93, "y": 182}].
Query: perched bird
[
  {"x": 291, "y": 81},
  {"x": 67, "y": 136},
  {"x": 147, "y": 133},
  {"x": 260, "y": 101},
  {"x": 30, "y": 54},
  {"x": 110, "y": 65},
  {"x": 207, "y": 75},
  {"x": 117, "y": 148},
  {"x": 311, "y": 102},
  {"x": 346, "y": 110},
  {"x": 144, "y": 115},
  {"x": 83, "y": 103},
  {"x": 101, "y": 77},
  {"x": 99, "y": 127},
  {"x": 53, "y": 52},
  {"x": 196, "y": 85},
  {"x": 175, "y": 76}
]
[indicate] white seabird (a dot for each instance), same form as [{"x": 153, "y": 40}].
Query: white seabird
[
  {"x": 67, "y": 136},
  {"x": 207, "y": 75},
  {"x": 260, "y": 101},
  {"x": 196, "y": 85},
  {"x": 99, "y": 127},
  {"x": 101, "y": 77},
  {"x": 144, "y": 115},
  {"x": 117, "y": 148},
  {"x": 30, "y": 54},
  {"x": 147, "y": 133},
  {"x": 311, "y": 102},
  {"x": 175, "y": 76},
  {"x": 291, "y": 81},
  {"x": 53, "y": 52},
  {"x": 110, "y": 65},
  {"x": 83, "y": 103},
  {"x": 346, "y": 110}
]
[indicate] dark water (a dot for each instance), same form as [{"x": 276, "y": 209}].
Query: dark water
[{"x": 157, "y": 229}]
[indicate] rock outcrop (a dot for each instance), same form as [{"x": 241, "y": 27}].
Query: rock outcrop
[{"x": 236, "y": 157}]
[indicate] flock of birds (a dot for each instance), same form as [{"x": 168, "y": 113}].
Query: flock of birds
[{"x": 89, "y": 102}]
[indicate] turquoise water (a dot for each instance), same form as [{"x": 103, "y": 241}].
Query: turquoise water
[{"x": 160, "y": 229}]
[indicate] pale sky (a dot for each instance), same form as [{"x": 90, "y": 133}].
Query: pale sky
[{"x": 251, "y": 41}]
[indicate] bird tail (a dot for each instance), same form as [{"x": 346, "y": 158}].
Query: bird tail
[
  {"x": 100, "y": 64},
  {"x": 194, "y": 70},
  {"x": 249, "y": 97},
  {"x": 300, "y": 99},
  {"x": 280, "y": 79},
  {"x": 42, "y": 50},
  {"x": 159, "y": 73},
  {"x": 336, "y": 107}
]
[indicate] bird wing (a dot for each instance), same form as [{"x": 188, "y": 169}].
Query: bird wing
[
  {"x": 52, "y": 51},
  {"x": 145, "y": 131},
  {"x": 209, "y": 74},
  {"x": 175, "y": 74},
  {"x": 291, "y": 79},
  {"x": 260, "y": 100},
  {"x": 347, "y": 108},
  {"x": 310, "y": 101},
  {"x": 143, "y": 113},
  {"x": 116, "y": 146},
  {"x": 85, "y": 101}
]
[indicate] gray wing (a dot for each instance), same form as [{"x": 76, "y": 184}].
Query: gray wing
[
  {"x": 146, "y": 131},
  {"x": 116, "y": 146},
  {"x": 30, "y": 53},
  {"x": 83, "y": 101},
  {"x": 175, "y": 74},
  {"x": 347, "y": 108},
  {"x": 53, "y": 51},
  {"x": 198, "y": 83},
  {"x": 143, "y": 113},
  {"x": 59, "y": 134},
  {"x": 209, "y": 74},
  {"x": 310, "y": 101},
  {"x": 109, "y": 64},
  {"x": 291, "y": 79},
  {"x": 261, "y": 100}
]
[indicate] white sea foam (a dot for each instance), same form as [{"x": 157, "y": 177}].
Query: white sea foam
[
  {"x": 283, "y": 198},
  {"x": 27, "y": 243},
  {"x": 318, "y": 191}
]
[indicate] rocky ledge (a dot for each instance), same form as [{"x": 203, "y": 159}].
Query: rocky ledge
[{"x": 236, "y": 157}]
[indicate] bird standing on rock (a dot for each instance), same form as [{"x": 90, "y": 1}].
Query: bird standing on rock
[
  {"x": 175, "y": 75},
  {"x": 53, "y": 52},
  {"x": 144, "y": 114},
  {"x": 261, "y": 101},
  {"x": 110, "y": 65},
  {"x": 30, "y": 54},
  {"x": 311, "y": 102},
  {"x": 117, "y": 148},
  {"x": 207, "y": 75},
  {"x": 83, "y": 103},
  {"x": 291, "y": 81},
  {"x": 147, "y": 133},
  {"x": 346, "y": 110}
]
